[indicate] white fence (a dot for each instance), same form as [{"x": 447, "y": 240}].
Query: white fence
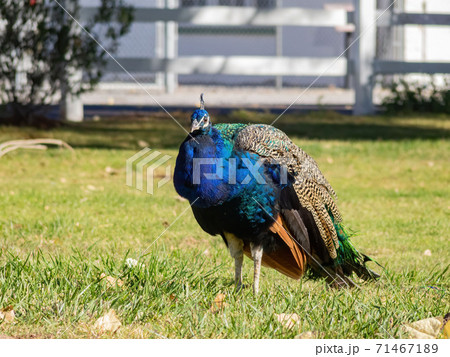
[{"x": 363, "y": 64}]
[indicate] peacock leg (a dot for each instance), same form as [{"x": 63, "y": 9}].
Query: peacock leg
[
  {"x": 238, "y": 270},
  {"x": 236, "y": 248},
  {"x": 257, "y": 252}
]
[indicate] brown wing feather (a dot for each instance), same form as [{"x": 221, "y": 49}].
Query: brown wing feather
[{"x": 289, "y": 259}]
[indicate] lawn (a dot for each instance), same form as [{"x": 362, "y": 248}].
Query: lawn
[{"x": 67, "y": 218}]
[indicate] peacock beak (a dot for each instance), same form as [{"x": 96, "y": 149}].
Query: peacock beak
[{"x": 195, "y": 126}]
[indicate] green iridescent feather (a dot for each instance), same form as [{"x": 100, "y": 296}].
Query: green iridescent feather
[
  {"x": 229, "y": 131},
  {"x": 348, "y": 256},
  {"x": 346, "y": 253}
]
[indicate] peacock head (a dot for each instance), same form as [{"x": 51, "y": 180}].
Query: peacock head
[{"x": 200, "y": 119}]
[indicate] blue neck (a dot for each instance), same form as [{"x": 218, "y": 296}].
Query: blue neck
[{"x": 200, "y": 158}]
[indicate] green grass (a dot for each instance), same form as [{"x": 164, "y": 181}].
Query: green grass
[{"x": 64, "y": 221}]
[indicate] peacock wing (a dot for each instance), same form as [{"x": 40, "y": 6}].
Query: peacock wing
[{"x": 313, "y": 190}]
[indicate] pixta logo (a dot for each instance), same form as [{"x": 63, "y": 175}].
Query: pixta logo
[
  {"x": 227, "y": 170},
  {"x": 137, "y": 166}
]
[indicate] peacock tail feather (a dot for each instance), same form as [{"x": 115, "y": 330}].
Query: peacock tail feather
[
  {"x": 346, "y": 252},
  {"x": 348, "y": 257}
]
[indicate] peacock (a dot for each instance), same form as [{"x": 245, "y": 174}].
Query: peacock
[{"x": 267, "y": 199}]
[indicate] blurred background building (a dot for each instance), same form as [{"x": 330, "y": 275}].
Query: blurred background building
[{"x": 153, "y": 40}]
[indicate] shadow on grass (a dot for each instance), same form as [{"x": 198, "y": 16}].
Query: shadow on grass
[
  {"x": 327, "y": 131},
  {"x": 334, "y": 126},
  {"x": 162, "y": 132}
]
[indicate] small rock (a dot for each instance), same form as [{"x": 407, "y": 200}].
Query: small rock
[
  {"x": 108, "y": 322},
  {"x": 111, "y": 282},
  {"x": 422, "y": 329},
  {"x": 288, "y": 320},
  {"x": 142, "y": 143},
  {"x": 109, "y": 170},
  {"x": 7, "y": 314},
  {"x": 306, "y": 335},
  {"x": 218, "y": 303}
]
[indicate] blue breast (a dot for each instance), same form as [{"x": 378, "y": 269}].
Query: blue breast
[{"x": 210, "y": 173}]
